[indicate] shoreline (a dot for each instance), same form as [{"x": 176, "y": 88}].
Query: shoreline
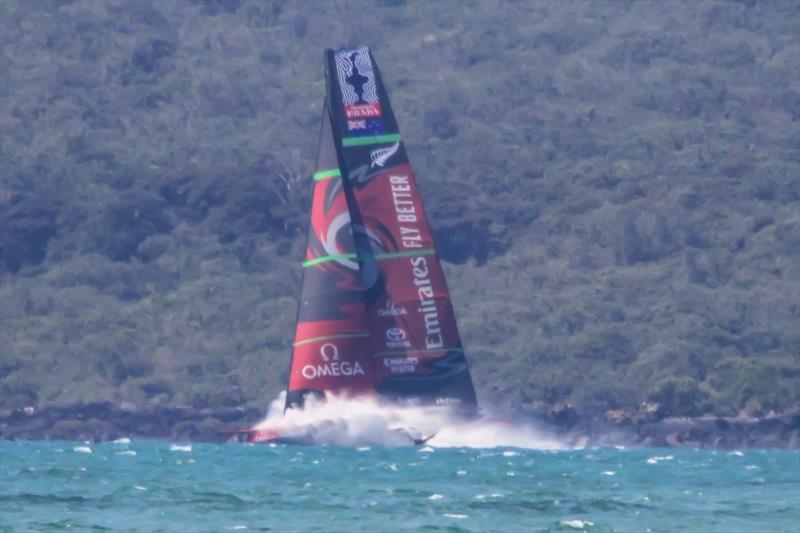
[
  {"x": 637, "y": 429},
  {"x": 101, "y": 422}
]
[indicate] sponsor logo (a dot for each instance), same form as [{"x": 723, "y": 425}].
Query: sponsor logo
[
  {"x": 380, "y": 156},
  {"x": 396, "y": 338},
  {"x": 401, "y": 365},
  {"x": 359, "y": 90},
  {"x": 336, "y": 369},
  {"x": 329, "y": 352},
  {"x": 331, "y": 366},
  {"x": 448, "y": 401},
  {"x": 392, "y": 310},
  {"x": 405, "y": 211},
  {"x": 356, "y": 77},
  {"x": 427, "y": 303},
  {"x": 362, "y": 110}
]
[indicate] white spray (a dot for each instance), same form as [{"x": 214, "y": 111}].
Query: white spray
[{"x": 368, "y": 421}]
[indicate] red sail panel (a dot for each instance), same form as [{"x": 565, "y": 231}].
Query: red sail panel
[
  {"x": 332, "y": 345},
  {"x": 414, "y": 340}
]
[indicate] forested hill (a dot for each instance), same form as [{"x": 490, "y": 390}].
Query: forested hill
[{"x": 613, "y": 186}]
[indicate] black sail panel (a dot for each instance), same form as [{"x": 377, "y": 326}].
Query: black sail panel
[{"x": 414, "y": 344}]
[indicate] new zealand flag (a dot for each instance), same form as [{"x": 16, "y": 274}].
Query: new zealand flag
[{"x": 365, "y": 126}]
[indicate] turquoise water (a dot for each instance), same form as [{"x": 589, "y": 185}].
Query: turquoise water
[{"x": 156, "y": 486}]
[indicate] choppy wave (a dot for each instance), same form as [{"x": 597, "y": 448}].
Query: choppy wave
[
  {"x": 379, "y": 488},
  {"x": 368, "y": 421}
]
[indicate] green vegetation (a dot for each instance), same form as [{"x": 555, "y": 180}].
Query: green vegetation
[{"x": 614, "y": 185}]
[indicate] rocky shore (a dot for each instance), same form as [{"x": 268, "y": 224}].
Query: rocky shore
[
  {"x": 648, "y": 425},
  {"x": 641, "y": 427},
  {"x": 104, "y": 421}
]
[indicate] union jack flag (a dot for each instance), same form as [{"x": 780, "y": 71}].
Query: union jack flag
[{"x": 356, "y": 125}]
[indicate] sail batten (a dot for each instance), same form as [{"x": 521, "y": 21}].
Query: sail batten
[
  {"x": 375, "y": 315},
  {"x": 348, "y": 142},
  {"x": 333, "y": 336},
  {"x": 324, "y": 258},
  {"x": 325, "y": 174}
]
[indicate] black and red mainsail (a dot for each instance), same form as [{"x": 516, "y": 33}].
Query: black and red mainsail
[{"x": 375, "y": 315}]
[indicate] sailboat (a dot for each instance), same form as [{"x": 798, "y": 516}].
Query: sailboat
[{"x": 375, "y": 317}]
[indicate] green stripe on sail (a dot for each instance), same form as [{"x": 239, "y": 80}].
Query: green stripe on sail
[
  {"x": 373, "y": 139},
  {"x": 334, "y": 257},
  {"x": 392, "y": 255},
  {"x": 412, "y": 352},
  {"x": 324, "y": 174},
  {"x": 378, "y": 257},
  {"x": 335, "y": 336}
]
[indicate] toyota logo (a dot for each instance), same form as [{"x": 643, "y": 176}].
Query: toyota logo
[{"x": 395, "y": 334}]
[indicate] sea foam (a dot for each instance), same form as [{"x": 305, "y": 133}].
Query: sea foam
[{"x": 368, "y": 421}]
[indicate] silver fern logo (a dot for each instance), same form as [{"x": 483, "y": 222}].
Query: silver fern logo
[{"x": 381, "y": 155}]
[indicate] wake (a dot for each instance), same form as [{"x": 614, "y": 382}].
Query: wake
[{"x": 343, "y": 421}]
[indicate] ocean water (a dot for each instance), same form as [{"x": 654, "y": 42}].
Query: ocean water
[{"x": 162, "y": 486}]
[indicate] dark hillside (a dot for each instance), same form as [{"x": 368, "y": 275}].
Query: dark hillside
[{"x": 615, "y": 187}]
